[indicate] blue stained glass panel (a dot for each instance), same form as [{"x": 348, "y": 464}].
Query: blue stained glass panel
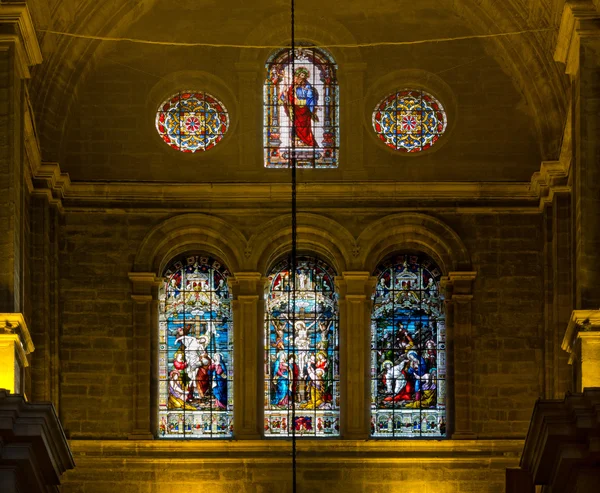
[
  {"x": 408, "y": 350},
  {"x": 195, "y": 350}
]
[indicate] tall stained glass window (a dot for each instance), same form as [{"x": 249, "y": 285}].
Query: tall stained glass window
[
  {"x": 409, "y": 120},
  {"x": 302, "y": 87},
  {"x": 195, "y": 350},
  {"x": 192, "y": 121},
  {"x": 408, "y": 350},
  {"x": 301, "y": 359}
]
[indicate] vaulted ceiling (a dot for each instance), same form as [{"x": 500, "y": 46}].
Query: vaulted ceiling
[{"x": 522, "y": 63}]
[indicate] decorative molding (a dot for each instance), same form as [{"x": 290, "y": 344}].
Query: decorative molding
[
  {"x": 14, "y": 323},
  {"x": 579, "y": 18},
  {"x": 48, "y": 181},
  {"x": 581, "y": 321},
  {"x": 551, "y": 180},
  {"x": 18, "y": 29}
]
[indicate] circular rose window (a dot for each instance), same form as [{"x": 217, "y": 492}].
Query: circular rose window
[
  {"x": 192, "y": 121},
  {"x": 409, "y": 120}
]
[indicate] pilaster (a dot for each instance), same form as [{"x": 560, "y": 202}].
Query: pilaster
[
  {"x": 15, "y": 345},
  {"x": 578, "y": 47},
  {"x": 582, "y": 342},
  {"x": 145, "y": 309},
  {"x": 248, "y": 290},
  {"x": 18, "y": 51},
  {"x": 355, "y": 291},
  {"x": 459, "y": 286}
]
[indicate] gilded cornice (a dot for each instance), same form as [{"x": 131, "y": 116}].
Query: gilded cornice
[{"x": 581, "y": 321}]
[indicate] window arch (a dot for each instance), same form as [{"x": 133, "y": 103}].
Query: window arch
[
  {"x": 195, "y": 350},
  {"x": 304, "y": 358},
  {"x": 408, "y": 349},
  {"x": 311, "y": 74}
]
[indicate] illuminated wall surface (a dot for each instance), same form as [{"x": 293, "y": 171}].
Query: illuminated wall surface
[{"x": 446, "y": 231}]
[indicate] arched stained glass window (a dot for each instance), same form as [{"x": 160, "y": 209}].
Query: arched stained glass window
[
  {"x": 195, "y": 350},
  {"x": 409, "y": 120},
  {"x": 302, "y": 359},
  {"x": 303, "y": 87},
  {"x": 192, "y": 121},
  {"x": 408, "y": 350}
]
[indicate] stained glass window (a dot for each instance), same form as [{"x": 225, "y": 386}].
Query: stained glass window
[
  {"x": 192, "y": 121},
  {"x": 195, "y": 350},
  {"x": 409, "y": 120},
  {"x": 408, "y": 350},
  {"x": 302, "y": 359},
  {"x": 302, "y": 87}
]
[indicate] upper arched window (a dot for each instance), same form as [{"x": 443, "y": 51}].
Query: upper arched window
[
  {"x": 301, "y": 103},
  {"x": 408, "y": 350},
  {"x": 192, "y": 121},
  {"x": 301, "y": 350},
  {"x": 195, "y": 350},
  {"x": 409, "y": 120}
]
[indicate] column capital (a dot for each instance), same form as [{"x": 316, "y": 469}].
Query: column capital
[
  {"x": 460, "y": 284},
  {"x": 582, "y": 322},
  {"x": 580, "y": 18},
  {"x": 353, "y": 283},
  {"x": 15, "y": 345},
  {"x": 142, "y": 284},
  {"x": 18, "y": 29},
  {"x": 247, "y": 284}
]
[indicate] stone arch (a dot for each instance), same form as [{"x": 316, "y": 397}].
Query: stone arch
[
  {"x": 186, "y": 233},
  {"x": 316, "y": 234},
  {"x": 413, "y": 231}
]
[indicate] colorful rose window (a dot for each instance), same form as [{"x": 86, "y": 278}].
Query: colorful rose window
[
  {"x": 191, "y": 121},
  {"x": 409, "y": 120}
]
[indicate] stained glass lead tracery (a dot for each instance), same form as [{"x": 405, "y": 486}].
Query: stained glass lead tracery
[
  {"x": 408, "y": 350},
  {"x": 192, "y": 121},
  {"x": 301, "y": 360},
  {"x": 409, "y": 120},
  {"x": 195, "y": 351},
  {"x": 301, "y": 88}
]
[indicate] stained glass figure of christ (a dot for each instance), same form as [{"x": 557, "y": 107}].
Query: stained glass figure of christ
[
  {"x": 409, "y": 120},
  {"x": 192, "y": 121},
  {"x": 301, "y": 103},
  {"x": 195, "y": 350},
  {"x": 408, "y": 350},
  {"x": 301, "y": 354}
]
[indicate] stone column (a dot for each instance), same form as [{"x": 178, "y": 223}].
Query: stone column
[
  {"x": 355, "y": 291},
  {"x": 578, "y": 46},
  {"x": 19, "y": 50},
  {"x": 459, "y": 346},
  {"x": 15, "y": 345},
  {"x": 248, "y": 290},
  {"x": 145, "y": 326},
  {"x": 582, "y": 342}
]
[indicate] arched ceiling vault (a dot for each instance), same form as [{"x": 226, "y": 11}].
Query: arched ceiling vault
[{"x": 526, "y": 58}]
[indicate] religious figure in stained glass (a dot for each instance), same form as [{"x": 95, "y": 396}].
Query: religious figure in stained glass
[
  {"x": 408, "y": 350},
  {"x": 301, "y": 109},
  {"x": 301, "y": 350},
  {"x": 409, "y": 120},
  {"x": 195, "y": 348},
  {"x": 192, "y": 121}
]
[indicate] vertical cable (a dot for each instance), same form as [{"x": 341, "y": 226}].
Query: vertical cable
[{"x": 294, "y": 248}]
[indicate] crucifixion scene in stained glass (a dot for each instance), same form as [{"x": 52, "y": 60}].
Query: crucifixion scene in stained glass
[
  {"x": 301, "y": 109},
  {"x": 195, "y": 350},
  {"x": 408, "y": 350},
  {"x": 301, "y": 350}
]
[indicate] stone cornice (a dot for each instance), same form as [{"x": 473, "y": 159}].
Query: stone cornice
[
  {"x": 15, "y": 323},
  {"x": 586, "y": 320},
  {"x": 22, "y": 31},
  {"x": 552, "y": 179},
  {"x": 579, "y": 18},
  {"x": 308, "y": 450}
]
